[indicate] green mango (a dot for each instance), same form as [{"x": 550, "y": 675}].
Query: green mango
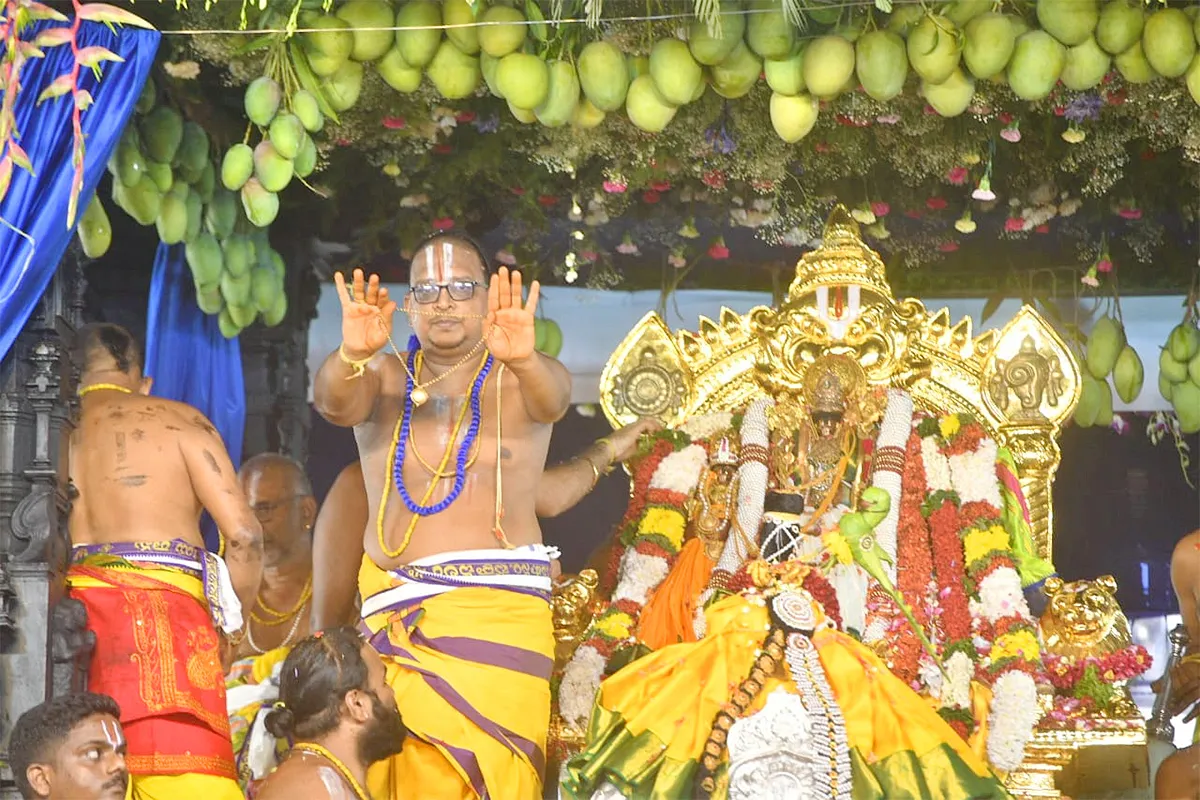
[
  {"x": 1104, "y": 345},
  {"x": 203, "y": 255},
  {"x": 881, "y": 63},
  {"x": 1128, "y": 375},
  {"x": 221, "y": 213},
  {"x": 1184, "y": 341},
  {"x": 675, "y": 72},
  {"x": 419, "y": 45},
  {"x": 933, "y": 48},
  {"x": 710, "y": 50},
  {"x": 287, "y": 134},
  {"x": 828, "y": 64},
  {"x": 561, "y": 98},
  {"x": 503, "y": 31},
  {"x": 1169, "y": 368},
  {"x": 368, "y": 45},
  {"x": 261, "y": 101},
  {"x": 460, "y": 13},
  {"x": 1186, "y": 401},
  {"x": 1069, "y": 21},
  {"x": 162, "y": 133},
  {"x": 237, "y": 166},
  {"x": 229, "y": 329},
  {"x": 306, "y": 107},
  {"x": 95, "y": 230}
]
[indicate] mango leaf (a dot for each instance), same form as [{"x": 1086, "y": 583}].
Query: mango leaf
[
  {"x": 6, "y": 168},
  {"x": 257, "y": 43},
  {"x": 534, "y": 14},
  {"x": 93, "y": 56},
  {"x": 34, "y": 11},
  {"x": 989, "y": 308},
  {"x": 19, "y": 157},
  {"x": 111, "y": 15},
  {"x": 884, "y": 5},
  {"x": 83, "y": 100},
  {"x": 52, "y": 37},
  {"x": 60, "y": 86},
  {"x": 309, "y": 81}
]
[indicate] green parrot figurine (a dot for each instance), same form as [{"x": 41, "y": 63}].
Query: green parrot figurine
[{"x": 857, "y": 529}]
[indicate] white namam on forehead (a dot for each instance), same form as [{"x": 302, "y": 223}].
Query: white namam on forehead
[
  {"x": 112, "y": 733},
  {"x": 436, "y": 261}
]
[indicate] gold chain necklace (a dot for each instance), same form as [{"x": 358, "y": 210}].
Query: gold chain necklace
[
  {"x": 317, "y": 750},
  {"x": 420, "y": 392},
  {"x": 95, "y": 387},
  {"x": 280, "y": 617},
  {"x": 286, "y": 640}
]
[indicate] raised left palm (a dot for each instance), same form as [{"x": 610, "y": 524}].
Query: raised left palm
[{"x": 509, "y": 328}]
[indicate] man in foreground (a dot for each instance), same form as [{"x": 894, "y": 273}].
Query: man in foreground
[
  {"x": 142, "y": 468},
  {"x": 70, "y": 748},
  {"x": 336, "y": 705},
  {"x": 338, "y": 536},
  {"x": 1178, "y": 777},
  {"x": 455, "y": 582}
]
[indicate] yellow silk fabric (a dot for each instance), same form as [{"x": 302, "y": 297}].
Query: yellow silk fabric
[
  {"x": 177, "y": 787},
  {"x": 515, "y": 701},
  {"x": 652, "y": 718}
]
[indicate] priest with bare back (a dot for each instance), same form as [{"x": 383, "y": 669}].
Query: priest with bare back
[{"x": 455, "y": 581}]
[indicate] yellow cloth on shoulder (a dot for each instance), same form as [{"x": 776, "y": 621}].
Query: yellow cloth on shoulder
[
  {"x": 652, "y": 718},
  {"x": 470, "y": 668}
]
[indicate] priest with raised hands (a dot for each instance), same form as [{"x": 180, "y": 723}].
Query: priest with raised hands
[{"x": 455, "y": 582}]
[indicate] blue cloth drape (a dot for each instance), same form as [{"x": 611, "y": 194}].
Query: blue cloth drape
[
  {"x": 188, "y": 358},
  {"x": 37, "y": 204}
]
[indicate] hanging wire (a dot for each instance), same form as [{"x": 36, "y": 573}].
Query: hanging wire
[{"x": 846, "y": 4}]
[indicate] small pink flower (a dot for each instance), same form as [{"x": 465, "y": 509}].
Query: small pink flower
[
  {"x": 822, "y": 147},
  {"x": 913, "y": 213},
  {"x": 443, "y": 223},
  {"x": 677, "y": 261},
  {"x": 1005, "y": 117},
  {"x": 1014, "y": 224},
  {"x": 615, "y": 187},
  {"x": 1090, "y": 280},
  {"x": 651, "y": 196},
  {"x": 1104, "y": 265},
  {"x": 717, "y": 250},
  {"x": 880, "y": 209},
  {"x": 935, "y": 203},
  {"x": 1043, "y": 228},
  {"x": 465, "y": 116},
  {"x": 443, "y": 149},
  {"x": 1119, "y": 425},
  {"x": 888, "y": 119},
  {"x": 394, "y": 123},
  {"x": 547, "y": 200},
  {"x": 342, "y": 142},
  {"x": 948, "y": 247},
  {"x": 1130, "y": 213},
  {"x": 519, "y": 191},
  {"x": 1011, "y": 133},
  {"x": 714, "y": 179},
  {"x": 506, "y": 257},
  {"x": 588, "y": 256},
  {"x": 957, "y": 176},
  {"x": 627, "y": 247},
  {"x": 661, "y": 186}
]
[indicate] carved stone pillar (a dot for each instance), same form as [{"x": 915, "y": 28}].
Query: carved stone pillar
[
  {"x": 275, "y": 368},
  {"x": 44, "y": 646}
]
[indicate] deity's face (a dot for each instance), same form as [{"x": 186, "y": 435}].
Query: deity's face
[
  {"x": 827, "y": 424},
  {"x": 455, "y": 270}
]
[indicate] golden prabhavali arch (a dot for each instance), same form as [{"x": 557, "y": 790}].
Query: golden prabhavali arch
[{"x": 1022, "y": 382}]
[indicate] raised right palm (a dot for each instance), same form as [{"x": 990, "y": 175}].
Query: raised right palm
[{"x": 366, "y": 315}]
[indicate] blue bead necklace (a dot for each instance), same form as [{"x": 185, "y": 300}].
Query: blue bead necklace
[{"x": 460, "y": 477}]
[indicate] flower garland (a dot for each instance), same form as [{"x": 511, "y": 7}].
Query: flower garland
[
  {"x": 651, "y": 545},
  {"x": 999, "y": 610},
  {"x": 915, "y": 561},
  {"x": 941, "y": 509}
]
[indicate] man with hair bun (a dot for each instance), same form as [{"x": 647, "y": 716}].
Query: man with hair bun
[{"x": 338, "y": 710}]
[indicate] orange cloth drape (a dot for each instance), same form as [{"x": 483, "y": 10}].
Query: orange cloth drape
[{"x": 669, "y": 614}]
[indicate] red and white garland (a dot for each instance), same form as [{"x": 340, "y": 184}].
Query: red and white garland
[{"x": 653, "y": 536}]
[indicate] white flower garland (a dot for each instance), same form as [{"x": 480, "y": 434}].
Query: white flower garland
[
  {"x": 938, "y": 477},
  {"x": 637, "y": 577},
  {"x": 680, "y": 471},
  {"x": 956, "y": 692},
  {"x": 707, "y": 425},
  {"x": 974, "y": 475},
  {"x": 640, "y": 575},
  {"x": 1000, "y": 595},
  {"x": 894, "y": 430},
  {"x": 580, "y": 682},
  {"x": 1014, "y": 713}
]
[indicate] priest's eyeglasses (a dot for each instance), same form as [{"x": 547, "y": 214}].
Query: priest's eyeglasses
[{"x": 459, "y": 290}]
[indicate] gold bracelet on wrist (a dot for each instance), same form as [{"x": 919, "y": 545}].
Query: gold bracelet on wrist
[
  {"x": 358, "y": 365},
  {"x": 595, "y": 472}
]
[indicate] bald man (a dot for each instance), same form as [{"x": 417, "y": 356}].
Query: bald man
[{"x": 279, "y": 493}]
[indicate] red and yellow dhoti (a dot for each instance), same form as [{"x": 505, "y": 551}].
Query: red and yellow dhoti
[
  {"x": 157, "y": 654},
  {"x": 469, "y": 646}
]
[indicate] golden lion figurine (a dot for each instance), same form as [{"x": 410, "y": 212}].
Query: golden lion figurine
[{"x": 1082, "y": 618}]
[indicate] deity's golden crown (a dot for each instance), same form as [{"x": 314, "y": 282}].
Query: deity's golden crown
[{"x": 843, "y": 259}]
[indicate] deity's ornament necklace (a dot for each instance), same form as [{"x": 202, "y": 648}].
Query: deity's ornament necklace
[{"x": 312, "y": 748}]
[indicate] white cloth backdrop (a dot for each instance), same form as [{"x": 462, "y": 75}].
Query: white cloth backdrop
[{"x": 593, "y": 323}]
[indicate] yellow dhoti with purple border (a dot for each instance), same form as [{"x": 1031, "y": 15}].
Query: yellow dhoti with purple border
[
  {"x": 468, "y": 642},
  {"x": 652, "y": 719}
]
